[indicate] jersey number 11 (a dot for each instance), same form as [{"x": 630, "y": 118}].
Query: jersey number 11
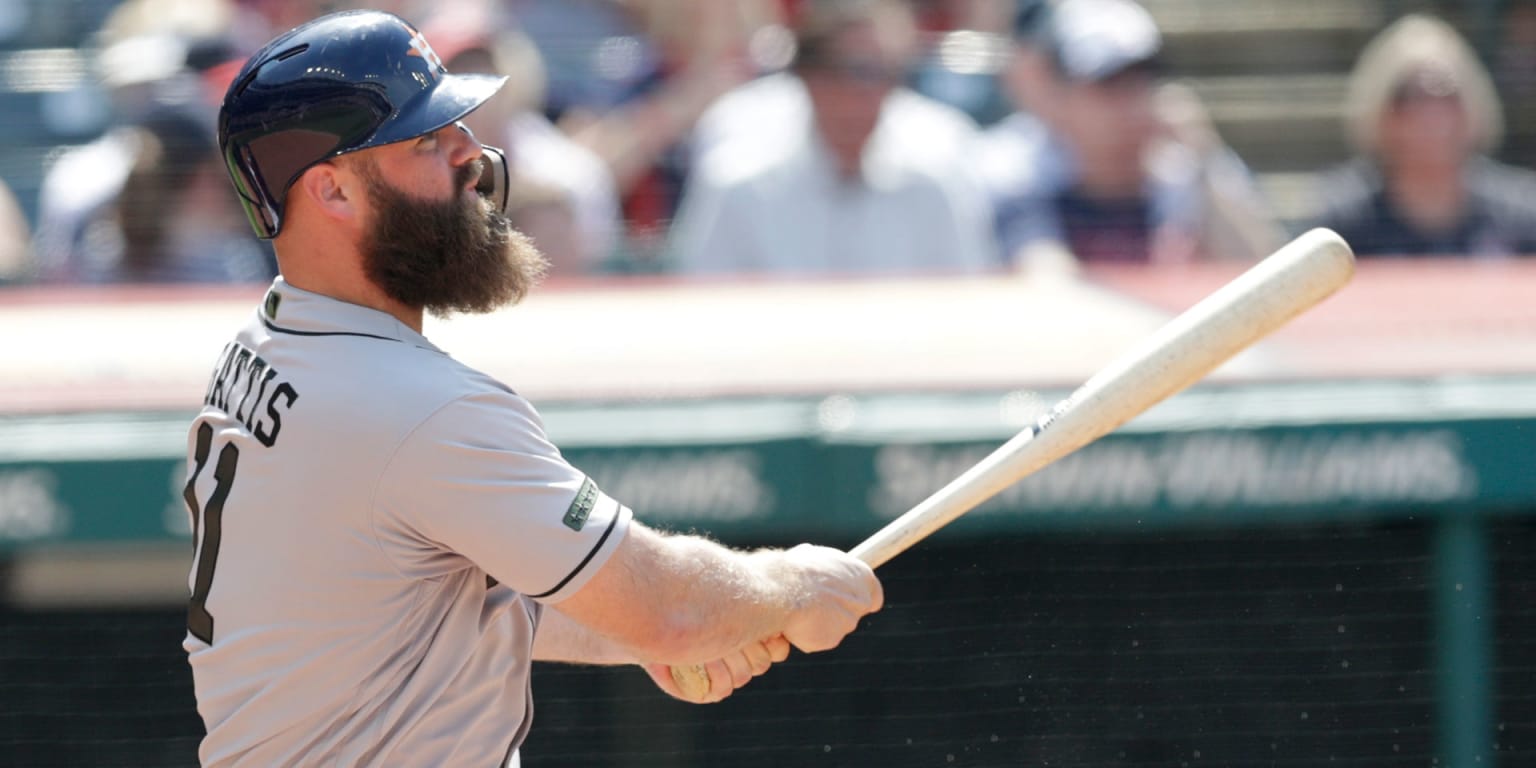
[{"x": 211, "y": 518}]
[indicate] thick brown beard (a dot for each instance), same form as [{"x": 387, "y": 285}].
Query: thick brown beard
[{"x": 447, "y": 256}]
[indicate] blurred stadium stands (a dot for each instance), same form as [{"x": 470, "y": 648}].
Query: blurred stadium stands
[
  {"x": 50, "y": 95},
  {"x": 1361, "y": 595},
  {"x": 1271, "y": 72}
]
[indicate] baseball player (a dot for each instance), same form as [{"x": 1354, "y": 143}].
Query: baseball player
[{"x": 386, "y": 540}]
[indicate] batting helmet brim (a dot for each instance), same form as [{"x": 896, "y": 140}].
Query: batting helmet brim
[{"x": 453, "y": 98}]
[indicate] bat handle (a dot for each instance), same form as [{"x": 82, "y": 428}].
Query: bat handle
[
  {"x": 874, "y": 551},
  {"x": 692, "y": 680}
]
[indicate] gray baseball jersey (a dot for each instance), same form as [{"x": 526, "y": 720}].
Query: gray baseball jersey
[{"x": 377, "y": 526}]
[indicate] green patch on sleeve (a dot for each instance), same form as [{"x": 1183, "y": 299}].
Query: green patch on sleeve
[{"x": 581, "y": 506}]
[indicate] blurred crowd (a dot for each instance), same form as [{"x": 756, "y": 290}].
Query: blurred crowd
[{"x": 800, "y": 137}]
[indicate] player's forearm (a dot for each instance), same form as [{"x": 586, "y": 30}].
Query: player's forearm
[
  {"x": 682, "y": 599},
  {"x": 561, "y": 638},
  {"x": 719, "y": 612},
  {"x": 722, "y": 599}
]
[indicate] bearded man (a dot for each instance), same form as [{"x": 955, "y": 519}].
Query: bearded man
[{"x": 386, "y": 539}]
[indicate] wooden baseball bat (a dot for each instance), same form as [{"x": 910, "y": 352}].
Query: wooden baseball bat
[{"x": 1282, "y": 286}]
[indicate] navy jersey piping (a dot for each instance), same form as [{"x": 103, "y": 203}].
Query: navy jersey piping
[
  {"x": 279, "y": 329},
  {"x": 583, "y": 564}
]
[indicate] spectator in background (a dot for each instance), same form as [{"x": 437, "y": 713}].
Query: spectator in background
[
  {"x": 173, "y": 220},
  {"x": 1514, "y": 62},
  {"x": 961, "y": 65},
  {"x": 14, "y": 261},
  {"x": 1422, "y": 113},
  {"x": 563, "y": 194},
  {"x": 629, "y": 78},
  {"x": 92, "y": 226},
  {"x": 757, "y": 111},
  {"x": 835, "y": 168},
  {"x": 1026, "y": 73},
  {"x": 1019, "y": 151},
  {"x": 146, "y": 58},
  {"x": 1105, "y": 163}
]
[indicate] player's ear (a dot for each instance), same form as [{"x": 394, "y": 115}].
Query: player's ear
[{"x": 333, "y": 190}]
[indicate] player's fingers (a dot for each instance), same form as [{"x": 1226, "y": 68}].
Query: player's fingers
[
  {"x": 722, "y": 680},
  {"x": 778, "y": 648},
  {"x": 740, "y": 666},
  {"x": 864, "y": 593},
  {"x": 834, "y": 623},
  {"x": 877, "y": 593},
  {"x": 758, "y": 658}
]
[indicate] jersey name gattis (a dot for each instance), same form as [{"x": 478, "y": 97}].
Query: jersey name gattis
[{"x": 251, "y": 391}]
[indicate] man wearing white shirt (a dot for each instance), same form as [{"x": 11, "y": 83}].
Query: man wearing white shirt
[{"x": 835, "y": 169}]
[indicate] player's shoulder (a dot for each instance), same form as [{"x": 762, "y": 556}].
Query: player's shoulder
[
  {"x": 348, "y": 360},
  {"x": 423, "y": 380},
  {"x": 460, "y": 411},
  {"x": 487, "y": 411}
]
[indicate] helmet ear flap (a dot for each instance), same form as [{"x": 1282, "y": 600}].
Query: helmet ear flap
[
  {"x": 495, "y": 177},
  {"x": 251, "y": 192}
]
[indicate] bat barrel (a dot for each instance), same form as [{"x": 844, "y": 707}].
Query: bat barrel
[{"x": 1287, "y": 283}]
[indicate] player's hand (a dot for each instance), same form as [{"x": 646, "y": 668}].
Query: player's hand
[
  {"x": 725, "y": 674},
  {"x": 839, "y": 589}
]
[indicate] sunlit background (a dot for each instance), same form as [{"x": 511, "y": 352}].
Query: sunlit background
[{"x": 811, "y": 259}]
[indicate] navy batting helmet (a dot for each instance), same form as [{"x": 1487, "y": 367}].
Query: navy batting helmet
[{"x": 340, "y": 83}]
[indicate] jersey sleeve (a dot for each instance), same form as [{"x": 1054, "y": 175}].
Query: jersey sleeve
[{"x": 480, "y": 481}]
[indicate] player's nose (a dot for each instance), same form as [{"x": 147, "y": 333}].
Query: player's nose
[{"x": 464, "y": 148}]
